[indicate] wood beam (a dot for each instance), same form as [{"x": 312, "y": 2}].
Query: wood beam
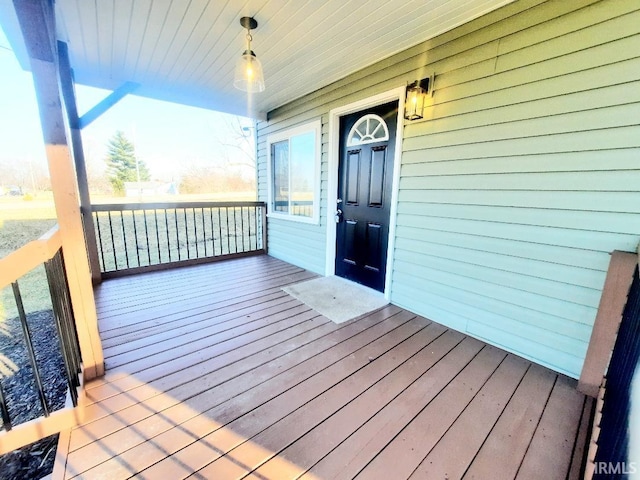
[
  {"x": 37, "y": 21},
  {"x": 69, "y": 95},
  {"x": 106, "y": 103}
]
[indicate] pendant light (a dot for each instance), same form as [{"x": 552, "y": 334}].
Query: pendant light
[{"x": 248, "y": 75}]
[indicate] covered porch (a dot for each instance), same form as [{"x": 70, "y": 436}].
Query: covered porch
[
  {"x": 212, "y": 371},
  {"x": 507, "y": 198}
]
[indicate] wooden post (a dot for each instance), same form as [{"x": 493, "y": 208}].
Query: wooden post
[
  {"x": 68, "y": 93},
  {"x": 622, "y": 266},
  {"x": 37, "y": 22}
]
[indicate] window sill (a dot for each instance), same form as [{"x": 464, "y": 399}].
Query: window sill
[{"x": 294, "y": 218}]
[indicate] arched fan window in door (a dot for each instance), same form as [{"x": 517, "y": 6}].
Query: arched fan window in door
[{"x": 369, "y": 128}]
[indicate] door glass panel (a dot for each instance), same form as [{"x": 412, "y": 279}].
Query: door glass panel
[{"x": 369, "y": 128}]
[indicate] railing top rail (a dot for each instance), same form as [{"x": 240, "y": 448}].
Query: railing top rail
[
  {"x": 28, "y": 257},
  {"x": 110, "y": 207}
]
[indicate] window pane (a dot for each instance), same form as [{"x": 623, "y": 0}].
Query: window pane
[
  {"x": 280, "y": 156},
  {"x": 303, "y": 151}
]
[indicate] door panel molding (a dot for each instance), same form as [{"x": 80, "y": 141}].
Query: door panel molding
[{"x": 332, "y": 184}]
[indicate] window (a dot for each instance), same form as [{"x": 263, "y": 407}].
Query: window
[
  {"x": 294, "y": 173},
  {"x": 368, "y": 129}
]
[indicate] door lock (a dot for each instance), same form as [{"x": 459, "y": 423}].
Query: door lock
[{"x": 338, "y": 215}]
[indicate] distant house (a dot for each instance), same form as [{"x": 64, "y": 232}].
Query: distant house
[{"x": 149, "y": 189}]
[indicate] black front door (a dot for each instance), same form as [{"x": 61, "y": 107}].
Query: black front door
[{"x": 365, "y": 177}]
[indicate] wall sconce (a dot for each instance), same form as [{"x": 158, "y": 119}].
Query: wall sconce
[
  {"x": 248, "y": 74},
  {"x": 416, "y": 98}
]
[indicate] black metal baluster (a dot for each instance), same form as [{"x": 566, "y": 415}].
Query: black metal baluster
[
  {"x": 27, "y": 338},
  {"x": 166, "y": 223},
  {"x": 244, "y": 249},
  {"x": 256, "y": 212},
  {"x": 228, "y": 231},
  {"x": 6, "y": 420},
  {"x": 69, "y": 317},
  {"x": 175, "y": 217},
  {"x": 155, "y": 216},
  {"x": 235, "y": 228},
  {"x": 213, "y": 235},
  {"x": 204, "y": 231},
  {"x": 135, "y": 235},
  {"x": 66, "y": 330},
  {"x": 255, "y": 225},
  {"x": 260, "y": 227},
  {"x": 195, "y": 231},
  {"x": 113, "y": 243},
  {"x": 249, "y": 226},
  {"x": 58, "y": 310},
  {"x": 104, "y": 266},
  {"x": 220, "y": 228},
  {"x": 124, "y": 239},
  {"x": 186, "y": 232},
  {"x": 146, "y": 235}
]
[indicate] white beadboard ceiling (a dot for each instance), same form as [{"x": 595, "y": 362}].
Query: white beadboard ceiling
[{"x": 184, "y": 51}]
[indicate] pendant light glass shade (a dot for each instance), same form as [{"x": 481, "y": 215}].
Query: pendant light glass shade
[{"x": 248, "y": 74}]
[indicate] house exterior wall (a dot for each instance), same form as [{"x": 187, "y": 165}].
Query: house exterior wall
[{"x": 523, "y": 176}]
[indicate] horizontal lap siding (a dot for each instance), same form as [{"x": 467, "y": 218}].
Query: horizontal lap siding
[
  {"x": 521, "y": 182},
  {"x": 523, "y": 176}
]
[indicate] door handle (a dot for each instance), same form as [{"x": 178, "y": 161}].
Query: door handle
[{"x": 338, "y": 215}]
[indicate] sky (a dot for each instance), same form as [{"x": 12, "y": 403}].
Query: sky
[{"x": 166, "y": 136}]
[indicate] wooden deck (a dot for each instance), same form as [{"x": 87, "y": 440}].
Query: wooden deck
[{"x": 213, "y": 372}]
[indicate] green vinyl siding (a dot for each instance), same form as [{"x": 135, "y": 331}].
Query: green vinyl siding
[{"x": 521, "y": 179}]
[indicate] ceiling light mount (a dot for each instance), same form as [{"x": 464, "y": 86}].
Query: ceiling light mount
[
  {"x": 249, "y": 23},
  {"x": 248, "y": 75}
]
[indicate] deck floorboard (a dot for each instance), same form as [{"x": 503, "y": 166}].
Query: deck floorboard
[{"x": 213, "y": 372}]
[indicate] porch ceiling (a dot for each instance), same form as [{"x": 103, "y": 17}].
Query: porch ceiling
[{"x": 184, "y": 52}]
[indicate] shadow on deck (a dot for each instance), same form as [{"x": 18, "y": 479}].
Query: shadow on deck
[{"x": 214, "y": 372}]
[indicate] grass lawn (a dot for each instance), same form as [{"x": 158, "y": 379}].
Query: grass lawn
[
  {"x": 21, "y": 222},
  {"x": 133, "y": 239}
]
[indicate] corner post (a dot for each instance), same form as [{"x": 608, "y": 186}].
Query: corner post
[
  {"x": 68, "y": 93},
  {"x": 37, "y": 22}
]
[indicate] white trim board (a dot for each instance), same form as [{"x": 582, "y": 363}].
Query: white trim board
[
  {"x": 332, "y": 185},
  {"x": 316, "y": 127}
]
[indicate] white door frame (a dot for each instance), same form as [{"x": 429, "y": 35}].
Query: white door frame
[{"x": 332, "y": 186}]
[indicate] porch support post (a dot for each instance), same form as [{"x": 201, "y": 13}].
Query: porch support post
[
  {"x": 37, "y": 22},
  {"x": 69, "y": 95}
]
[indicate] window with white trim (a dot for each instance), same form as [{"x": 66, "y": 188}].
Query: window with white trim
[{"x": 294, "y": 173}]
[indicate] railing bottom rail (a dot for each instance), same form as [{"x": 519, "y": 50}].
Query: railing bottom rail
[{"x": 179, "y": 264}]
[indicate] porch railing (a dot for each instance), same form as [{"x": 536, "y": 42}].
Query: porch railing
[
  {"x": 45, "y": 251},
  {"x": 139, "y": 237}
]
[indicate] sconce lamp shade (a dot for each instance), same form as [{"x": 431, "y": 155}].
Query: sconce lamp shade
[
  {"x": 248, "y": 74},
  {"x": 416, "y": 97}
]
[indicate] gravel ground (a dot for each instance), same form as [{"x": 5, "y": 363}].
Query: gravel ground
[{"x": 36, "y": 460}]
